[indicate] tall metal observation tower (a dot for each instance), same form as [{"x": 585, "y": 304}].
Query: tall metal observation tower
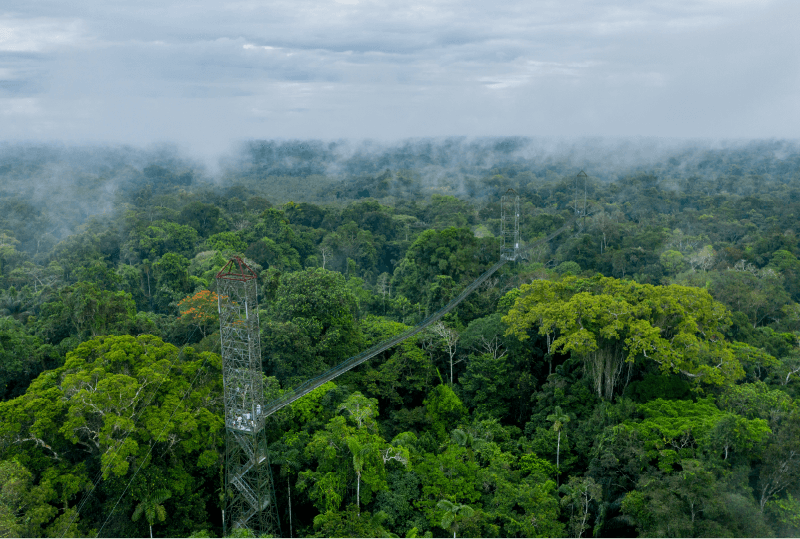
[
  {"x": 509, "y": 225},
  {"x": 250, "y": 495}
]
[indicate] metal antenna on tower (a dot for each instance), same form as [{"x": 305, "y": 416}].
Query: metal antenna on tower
[
  {"x": 509, "y": 225},
  {"x": 250, "y": 495}
]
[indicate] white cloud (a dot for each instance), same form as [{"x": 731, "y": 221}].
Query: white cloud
[
  {"x": 148, "y": 69},
  {"x": 250, "y": 47},
  {"x": 26, "y": 106},
  {"x": 38, "y": 34}
]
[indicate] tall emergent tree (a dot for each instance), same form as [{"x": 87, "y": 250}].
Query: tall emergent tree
[
  {"x": 612, "y": 324},
  {"x": 310, "y": 325},
  {"x": 98, "y": 416}
]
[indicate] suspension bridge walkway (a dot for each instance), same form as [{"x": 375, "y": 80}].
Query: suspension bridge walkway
[{"x": 354, "y": 361}]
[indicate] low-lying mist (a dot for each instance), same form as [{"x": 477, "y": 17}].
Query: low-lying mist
[{"x": 54, "y": 188}]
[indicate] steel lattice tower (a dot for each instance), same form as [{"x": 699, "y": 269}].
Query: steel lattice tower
[
  {"x": 250, "y": 495},
  {"x": 509, "y": 225}
]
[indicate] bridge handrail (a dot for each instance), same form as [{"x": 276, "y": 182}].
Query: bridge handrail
[
  {"x": 369, "y": 353},
  {"x": 354, "y": 361}
]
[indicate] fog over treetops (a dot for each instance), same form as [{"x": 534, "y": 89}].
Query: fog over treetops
[{"x": 73, "y": 182}]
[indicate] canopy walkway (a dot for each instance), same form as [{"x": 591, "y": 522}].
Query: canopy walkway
[{"x": 354, "y": 361}]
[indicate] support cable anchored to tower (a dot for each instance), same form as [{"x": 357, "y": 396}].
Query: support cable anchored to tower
[
  {"x": 150, "y": 449},
  {"x": 114, "y": 452}
]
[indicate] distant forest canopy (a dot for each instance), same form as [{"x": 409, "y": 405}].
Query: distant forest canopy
[
  {"x": 74, "y": 182},
  {"x": 637, "y": 375}
]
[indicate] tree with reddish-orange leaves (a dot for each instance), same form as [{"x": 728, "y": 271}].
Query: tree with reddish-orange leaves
[{"x": 200, "y": 309}]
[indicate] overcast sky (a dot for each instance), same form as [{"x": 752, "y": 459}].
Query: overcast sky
[{"x": 204, "y": 73}]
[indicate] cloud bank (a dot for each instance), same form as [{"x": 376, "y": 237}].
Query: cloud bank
[{"x": 204, "y": 73}]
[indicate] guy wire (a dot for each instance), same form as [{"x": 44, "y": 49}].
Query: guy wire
[
  {"x": 152, "y": 444},
  {"x": 116, "y": 451}
]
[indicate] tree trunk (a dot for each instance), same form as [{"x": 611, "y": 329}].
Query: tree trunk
[
  {"x": 451, "y": 371},
  {"x": 151, "y": 531},
  {"x": 358, "y": 493},
  {"x": 149, "y": 294},
  {"x": 289, "y": 484},
  {"x": 558, "y": 449}
]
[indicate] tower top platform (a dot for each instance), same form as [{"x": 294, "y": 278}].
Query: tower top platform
[{"x": 236, "y": 269}]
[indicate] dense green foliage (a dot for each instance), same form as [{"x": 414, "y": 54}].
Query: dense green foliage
[{"x": 637, "y": 375}]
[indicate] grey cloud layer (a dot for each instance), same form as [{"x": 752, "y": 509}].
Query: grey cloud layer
[{"x": 206, "y": 72}]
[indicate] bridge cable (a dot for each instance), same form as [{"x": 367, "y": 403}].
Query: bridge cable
[
  {"x": 99, "y": 477},
  {"x": 354, "y": 361},
  {"x": 152, "y": 445}
]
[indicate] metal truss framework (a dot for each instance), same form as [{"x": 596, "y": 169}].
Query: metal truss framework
[
  {"x": 509, "y": 225},
  {"x": 250, "y": 494}
]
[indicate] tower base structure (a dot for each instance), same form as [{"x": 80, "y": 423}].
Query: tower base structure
[{"x": 249, "y": 491}]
